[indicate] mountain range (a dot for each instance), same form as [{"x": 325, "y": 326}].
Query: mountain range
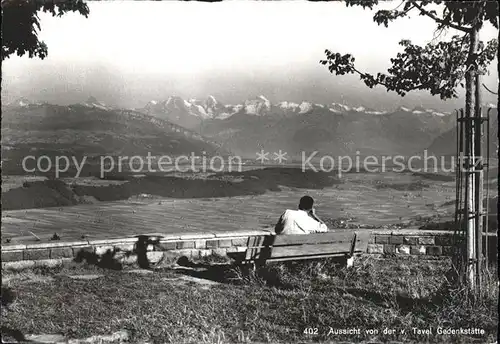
[
  {"x": 176, "y": 126},
  {"x": 192, "y": 111},
  {"x": 332, "y": 128},
  {"x": 92, "y": 129}
]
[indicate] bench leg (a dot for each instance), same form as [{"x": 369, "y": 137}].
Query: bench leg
[
  {"x": 245, "y": 269},
  {"x": 248, "y": 268},
  {"x": 349, "y": 262}
]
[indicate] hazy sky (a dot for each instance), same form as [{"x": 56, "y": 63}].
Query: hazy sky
[{"x": 128, "y": 52}]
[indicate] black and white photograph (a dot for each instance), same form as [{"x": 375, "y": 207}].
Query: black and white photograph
[{"x": 247, "y": 171}]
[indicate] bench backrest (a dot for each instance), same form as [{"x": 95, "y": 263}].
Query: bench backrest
[{"x": 307, "y": 246}]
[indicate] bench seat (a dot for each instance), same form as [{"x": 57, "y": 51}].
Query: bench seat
[{"x": 276, "y": 248}]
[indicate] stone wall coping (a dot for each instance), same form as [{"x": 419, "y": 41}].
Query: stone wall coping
[
  {"x": 155, "y": 234},
  {"x": 170, "y": 237},
  {"x": 53, "y": 244},
  {"x": 411, "y": 231},
  {"x": 193, "y": 236},
  {"x": 419, "y": 232},
  {"x": 15, "y": 247},
  {"x": 242, "y": 233},
  {"x": 208, "y": 236},
  {"x": 124, "y": 240}
]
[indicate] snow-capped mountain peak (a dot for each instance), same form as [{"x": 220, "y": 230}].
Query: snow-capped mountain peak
[
  {"x": 22, "y": 102},
  {"x": 376, "y": 112},
  {"x": 259, "y": 106},
  {"x": 439, "y": 114},
  {"x": 93, "y": 102},
  {"x": 287, "y": 105},
  {"x": 211, "y": 108},
  {"x": 263, "y": 98},
  {"x": 336, "y": 107},
  {"x": 175, "y": 101},
  {"x": 305, "y": 107},
  {"x": 419, "y": 110},
  {"x": 211, "y": 101}
]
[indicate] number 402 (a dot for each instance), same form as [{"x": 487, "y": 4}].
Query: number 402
[{"x": 311, "y": 330}]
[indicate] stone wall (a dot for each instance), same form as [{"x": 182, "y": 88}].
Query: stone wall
[
  {"x": 420, "y": 242},
  {"x": 158, "y": 248},
  {"x": 412, "y": 243}
]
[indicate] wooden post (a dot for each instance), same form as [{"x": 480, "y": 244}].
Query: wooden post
[
  {"x": 470, "y": 182},
  {"x": 458, "y": 256},
  {"x": 498, "y": 71},
  {"x": 479, "y": 181},
  {"x": 486, "y": 227}
]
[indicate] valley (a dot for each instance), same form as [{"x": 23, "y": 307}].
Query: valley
[{"x": 93, "y": 130}]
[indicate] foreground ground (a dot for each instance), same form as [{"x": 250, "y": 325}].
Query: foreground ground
[{"x": 301, "y": 302}]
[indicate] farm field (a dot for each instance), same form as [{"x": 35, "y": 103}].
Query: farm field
[{"x": 228, "y": 201}]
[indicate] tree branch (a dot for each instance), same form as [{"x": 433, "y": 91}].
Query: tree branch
[
  {"x": 401, "y": 4},
  {"x": 487, "y": 89},
  {"x": 378, "y": 82},
  {"x": 439, "y": 20}
]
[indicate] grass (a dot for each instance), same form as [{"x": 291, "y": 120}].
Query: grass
[{"x": 275, "y": 305}]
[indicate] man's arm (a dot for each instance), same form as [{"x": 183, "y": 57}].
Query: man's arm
[
  {"x": 321, "y": 228},
  {"x": 316, "y": 218},
  {"x": 278, "y": 228}
]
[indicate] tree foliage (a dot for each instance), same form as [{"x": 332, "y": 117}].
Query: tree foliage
[
  {"x": 436, "y": 67},
  {"x": 21, "y": 24}
]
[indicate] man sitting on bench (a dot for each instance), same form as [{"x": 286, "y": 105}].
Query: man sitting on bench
[{"x": 302, "y": 221}]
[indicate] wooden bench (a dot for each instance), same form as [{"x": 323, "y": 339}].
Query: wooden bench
[{"x": 276, "y": 248}]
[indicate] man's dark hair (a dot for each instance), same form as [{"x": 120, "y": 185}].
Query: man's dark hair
[{"x": 306, "y": 203}]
